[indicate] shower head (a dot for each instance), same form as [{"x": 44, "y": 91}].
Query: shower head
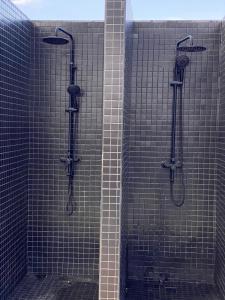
[
  {"x": 55, "y": 40},
  {"x": 58, "y": 40},
  {"x": 191, "y": 48},
  {"x": 182, "y": 61}
]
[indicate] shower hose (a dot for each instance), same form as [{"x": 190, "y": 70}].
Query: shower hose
[{"x": 69, "y": 204}]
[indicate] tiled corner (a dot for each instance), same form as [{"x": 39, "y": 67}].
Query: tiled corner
[
  {"x": 125, "y": 158},
  {"x": 220, "y": 207}
]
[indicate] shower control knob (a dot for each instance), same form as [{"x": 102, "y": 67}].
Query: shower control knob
[
  {"x": 171, "y": 165},
  {"x": 66, "y": 161}
]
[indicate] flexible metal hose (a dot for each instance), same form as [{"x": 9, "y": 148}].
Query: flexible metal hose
[{"x": 69, "y": 204}]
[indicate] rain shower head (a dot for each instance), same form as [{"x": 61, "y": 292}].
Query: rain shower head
[
  {"x": 191, "y": 48},
  {"x": 55, "y": 40},
  {"x": 58, "y": 40}
]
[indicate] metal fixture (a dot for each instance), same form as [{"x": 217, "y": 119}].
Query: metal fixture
[
  {"x": 173, "y": 163},
  {"x": 74, "y": 91},
  {"x": 190, "y": 47}
]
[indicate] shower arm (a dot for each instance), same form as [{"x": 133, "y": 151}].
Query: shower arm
[
  {"x": 188, "y": 37},
  {"x": 72, "y": 66}
]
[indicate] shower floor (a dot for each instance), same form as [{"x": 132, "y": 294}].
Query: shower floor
[
  {"x": 177, "y": 291},
  {"x": 54, "y": 288}
]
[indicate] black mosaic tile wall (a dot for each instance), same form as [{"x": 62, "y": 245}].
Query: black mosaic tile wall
[
  {"x": 178, "y": 242},
  {"x": 125, "y": 163},
  {"x": 15, "y": 46},
  {"x": 220, "y": 208},
  {"x": 58, "y": 243}
]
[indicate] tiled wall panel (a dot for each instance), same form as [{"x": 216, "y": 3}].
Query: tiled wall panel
[
  {"x": 15, "y": 46},
  {"x": 58, "y": 243},
  {"x": 111, "y": 202},
  {"x": 161, "y": 237},
  {"x": 220, "y": 219},
  {"x": 125, "y": 163}
]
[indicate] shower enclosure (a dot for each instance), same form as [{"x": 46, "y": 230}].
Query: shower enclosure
[
  {"x": 171, "y": 248},
  {"x": 115, "y": 233},
  {"x": 46, "y": 251}
]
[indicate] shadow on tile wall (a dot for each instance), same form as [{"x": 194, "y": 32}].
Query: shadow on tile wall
[
  {"x": 161, "y": 237},
  {"x": 220, "y": 209},
  {"x": 125, "y": 163},
  {"x": 15, "y": 51},
  {"x": 57, "y": 243}
]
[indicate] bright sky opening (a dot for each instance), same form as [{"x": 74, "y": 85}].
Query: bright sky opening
[{"x": 142, "y": 9}]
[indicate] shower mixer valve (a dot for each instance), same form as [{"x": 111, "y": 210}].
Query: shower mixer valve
[
  {"x": 172, "y": 165},
  {"x": 69, "y": 164}
]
